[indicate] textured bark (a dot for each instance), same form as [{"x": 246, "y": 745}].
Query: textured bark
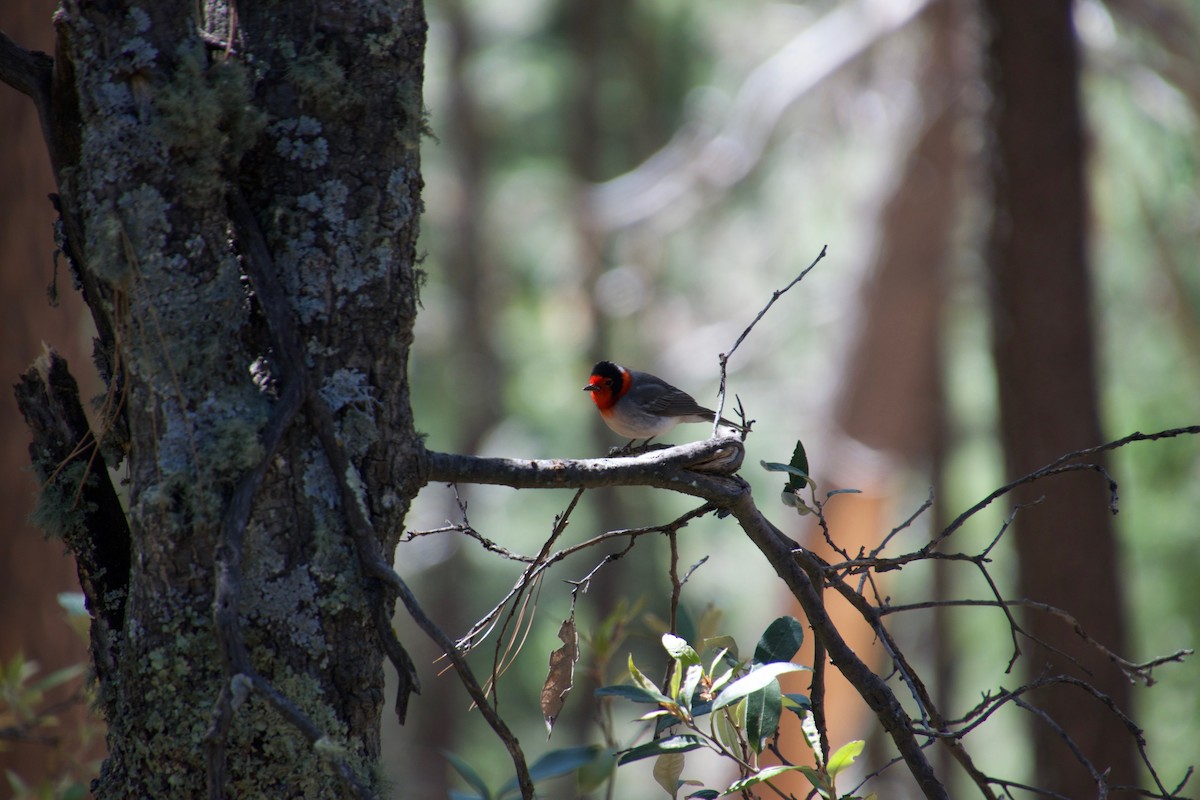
[
  {"x": 1045, "y": 358},
  {"x": 312, "y": 113}
]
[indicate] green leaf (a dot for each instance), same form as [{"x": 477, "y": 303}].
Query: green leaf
[
  {"x": 554, "y": 764},
  {"x": 759, "y": 677},
  {"x": 680, "y": 649},
  {"x": 762, "y": 714},
  {"x": 800, "y": 458},
  {"x": 799, "y": 478},
  {"x": 673, "y": 744},
  {"x": 704, "y": 794},
  {"x": 667, "y": 769},
  {"x": 792, "y": 500},
  {"x": 797, "y": 468},
  {"x": 691, "y": 681},
  {"x": 675, "y": 680},
  {"x": 798, "y": 704},
  {"x": 660, "y": 713},
  {"x": 832, "y": 492},
  {"x": 635, "y": 693},
  {"x": 764, "y": 774},
  {"x": 780, "y": 641},
  {"x": 722, "y": 679},
  {"x": 645, "y": 683},
  {"x": 468, "y": 774},
  {"x": 725, "y": 729},
  {"x": 843, "y": 757},
  {"x": 562, "y": 762}
]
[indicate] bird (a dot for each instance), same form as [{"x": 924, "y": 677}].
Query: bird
[{"x": 640, "y": 405}]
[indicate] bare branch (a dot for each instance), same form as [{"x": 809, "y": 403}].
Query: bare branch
[
  {"x": 782, "y": 554},
  {"x": 1056, "y": 467},
  {"x": 699, "y": 469},
  {"x": 29, "y": 72}
]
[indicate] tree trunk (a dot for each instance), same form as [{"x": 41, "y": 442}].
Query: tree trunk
[
  {"x": 1044, "y": 355},
  {"x": 310, "y": 113}
]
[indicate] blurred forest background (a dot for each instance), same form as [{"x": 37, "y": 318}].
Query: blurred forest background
[{"x": 632, "y": 180}]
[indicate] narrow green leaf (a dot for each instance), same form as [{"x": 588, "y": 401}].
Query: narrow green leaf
[
  {"x": 691, "y": 681},
  {"x": 758, "y": 678},
  {"x": 657, "y": 713},
  {"x": 764, "y": 774},
  {"x": 704, "y": 794},
  {"x": 563, "y": 761},
  {"x": 722, "y": 679},
  {"x": 554, "y": 764},
  {"x": 791, "y": 699},
  {"x": 726, "y": 732},
  {"x": 843, "y": 757},
  {"x": 762, "y": 714},
  {"x": 799, "y": 478},
  {"x": 635, "y": 693},
  {"x": 798, "y": 704},
  {"x": 673, "y": 744},
  {"x": 832, "y": 492},
  {"x": 645, "y": 683},
  {"x": 468, "y": 774},
  {"x": 780, "y": 641},
  {"x": 667, "y": 769}
]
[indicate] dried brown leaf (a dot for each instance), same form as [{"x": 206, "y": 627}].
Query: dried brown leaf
[{"x": 562, "y": 673}]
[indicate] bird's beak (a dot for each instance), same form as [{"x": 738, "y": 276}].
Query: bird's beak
[{"x": 591, "y": 387}]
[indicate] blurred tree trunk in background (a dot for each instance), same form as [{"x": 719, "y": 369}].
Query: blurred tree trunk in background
[
  {"x": 33, "y": 568},
  {"x": 889, "y": 402},
  {"x": 1045, "y": 362}
]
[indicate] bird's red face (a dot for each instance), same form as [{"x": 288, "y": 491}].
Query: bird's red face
[{"x": 606, "y": 384}]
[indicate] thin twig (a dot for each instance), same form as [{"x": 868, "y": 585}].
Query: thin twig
[
  {"x": 723, "y": 359},
  {"x": 1054, "y": 468},
  {"x": 482, "y": 628}
]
